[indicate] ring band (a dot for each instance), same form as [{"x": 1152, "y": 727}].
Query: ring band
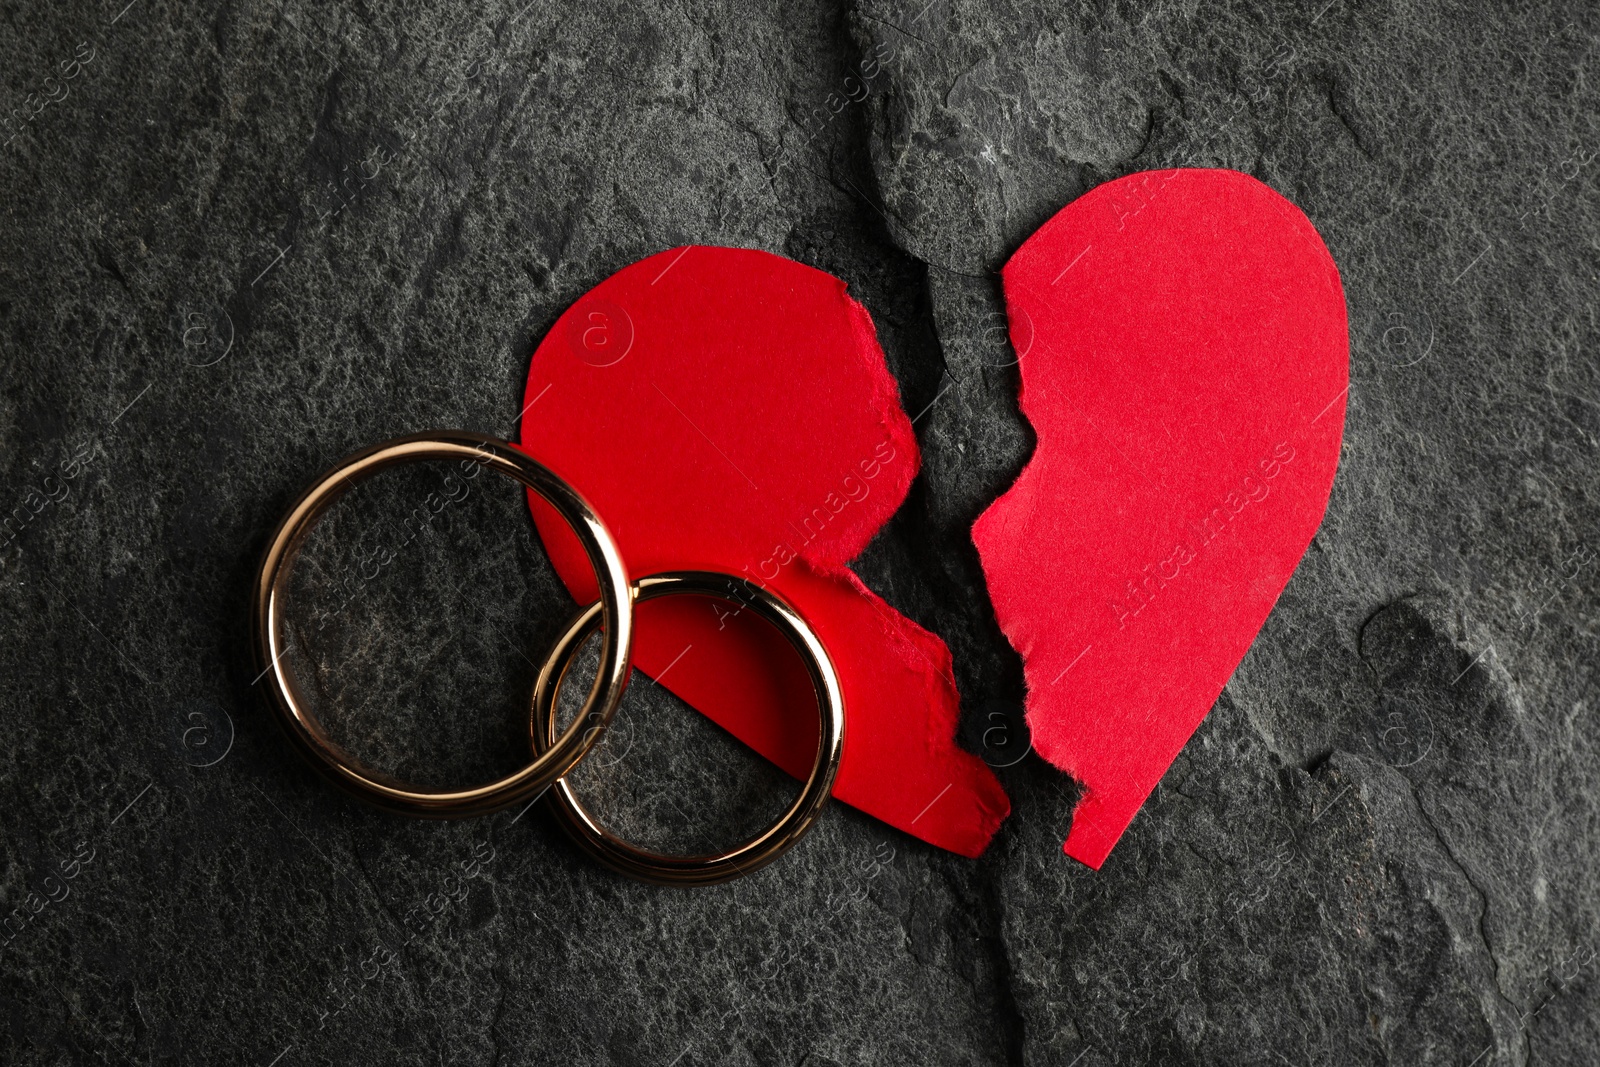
[
  {"x": 302, "y": 726},
  {"x": 654, "y": 867}
]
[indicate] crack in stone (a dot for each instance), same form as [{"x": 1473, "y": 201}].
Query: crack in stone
[
  {"x": 1012, "y": 1020},
  {"x": 499, "y": 1013},
  {"x": 366, "y": 876},
  {"x": 1483, "y": 904}
]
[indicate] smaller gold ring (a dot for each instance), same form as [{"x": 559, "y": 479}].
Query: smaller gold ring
[
  {"x": 760, "y": 850},
  {"x": 305, "y": 730}
]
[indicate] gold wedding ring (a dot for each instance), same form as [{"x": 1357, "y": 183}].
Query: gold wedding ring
[
  {"x": 555, "y": 753},
  {"x": 553, "y": 759},
  {"x": 660, "y": 869}
]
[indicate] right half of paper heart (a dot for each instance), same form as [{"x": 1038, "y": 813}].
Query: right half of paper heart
[{"x": 1184, "y": 357}]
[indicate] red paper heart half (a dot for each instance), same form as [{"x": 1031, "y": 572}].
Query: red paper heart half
[
  {"x": 730, "y": 410},
  {"x": 1184, "y": 363}
]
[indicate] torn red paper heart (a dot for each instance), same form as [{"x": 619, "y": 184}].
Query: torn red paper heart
[
  {"x": 1186, "y": 370},
  {"x": 730, "y": 410}
]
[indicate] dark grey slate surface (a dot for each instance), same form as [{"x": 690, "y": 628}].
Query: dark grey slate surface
[{"x": 240, "y": 240}]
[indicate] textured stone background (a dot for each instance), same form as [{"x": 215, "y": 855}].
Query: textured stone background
[{"x": 242, "y": 239}]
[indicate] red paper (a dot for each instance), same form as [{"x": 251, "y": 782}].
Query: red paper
[
  {"x": 730, "y": 410},
  {"x": 1186, "y": 370}
]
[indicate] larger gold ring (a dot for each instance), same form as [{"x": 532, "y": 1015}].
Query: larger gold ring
[
  {"x": 302, "y": 726},
  {"x": 655, "y": 867}
]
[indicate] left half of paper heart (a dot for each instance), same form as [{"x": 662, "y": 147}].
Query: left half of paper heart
[{"x": 731, "y": 410}]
